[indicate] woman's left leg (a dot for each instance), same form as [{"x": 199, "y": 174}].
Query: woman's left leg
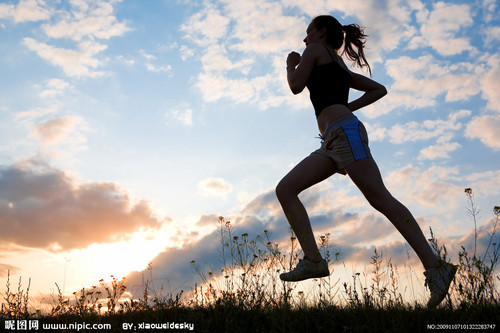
[
  {"x": 308, "y": 172},
  {"x": 366, "y": 175}
]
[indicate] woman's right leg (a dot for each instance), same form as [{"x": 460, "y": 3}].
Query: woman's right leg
[
  {"x": 366, "y": 175},
  {"x": 310, "y": 171}
]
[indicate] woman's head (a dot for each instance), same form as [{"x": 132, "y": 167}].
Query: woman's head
[
  {"x": 347, "y": 35},
  {"x": 333, "y": 29}
]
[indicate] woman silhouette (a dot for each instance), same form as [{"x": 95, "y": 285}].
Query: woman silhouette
[{"x": 344, "y": 148}]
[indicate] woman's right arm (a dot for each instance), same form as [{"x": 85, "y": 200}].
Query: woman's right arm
[
  {"x": 373, "y": 91},
  {"x": 300, "y": 67}
]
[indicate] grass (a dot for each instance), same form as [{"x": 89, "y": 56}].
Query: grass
[{"x": 244, "y": 294}]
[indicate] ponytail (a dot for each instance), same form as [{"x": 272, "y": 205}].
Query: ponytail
[{"x": 354, "y": 35}]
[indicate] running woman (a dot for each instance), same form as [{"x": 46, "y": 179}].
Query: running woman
[{"x": 344, "y": 148}]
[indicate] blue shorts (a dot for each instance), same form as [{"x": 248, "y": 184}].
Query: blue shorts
[{"x": 344, "y": 142}]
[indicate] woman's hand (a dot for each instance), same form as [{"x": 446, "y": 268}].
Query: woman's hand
[
  {"x": 299, "y": 67},
  {"x": 292, "y": 60}
]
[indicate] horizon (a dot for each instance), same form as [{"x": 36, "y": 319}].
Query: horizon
[{"x": 127, "y": 129}]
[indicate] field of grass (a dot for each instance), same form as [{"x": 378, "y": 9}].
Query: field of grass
[{"x": 244, "y": 294}]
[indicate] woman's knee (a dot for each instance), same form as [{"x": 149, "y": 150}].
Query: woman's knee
[
  {"x": 377, "y": 203},
  {"x": 280, "y": 189},
  {"x": 385, "y": 204},
  {"x": 284, "y": 189}
]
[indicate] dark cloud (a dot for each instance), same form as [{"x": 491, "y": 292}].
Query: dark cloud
[
  {"x": 396, "y": 252},
  {"x": 43, "y": 207},
  {"x": 487, "y": 234},
  {"x": 263, "y": 214},
  {"x": 332, "y": 219},
  {"x": 174, "y": 264},
  {"x": 366, "y": 229},
  {"x": 174, "y": 267},
  {"x": 263, "y": 203}
]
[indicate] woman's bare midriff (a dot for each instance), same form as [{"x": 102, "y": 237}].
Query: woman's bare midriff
[{"x": 331, "y": 114}]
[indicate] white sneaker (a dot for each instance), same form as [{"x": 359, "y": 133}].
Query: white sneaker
[
  {"x": 306, "y": 270},
  {"x": 438, "y": 281}
]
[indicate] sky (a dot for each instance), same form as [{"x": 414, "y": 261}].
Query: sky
[{"x": 128, "y": 127}]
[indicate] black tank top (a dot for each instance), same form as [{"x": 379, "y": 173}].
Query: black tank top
[{"x": 328, "y": 84}]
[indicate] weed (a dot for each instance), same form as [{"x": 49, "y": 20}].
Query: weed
[
  {"x": 17, "y": 303},
  {"x": 475, "y": 281}
]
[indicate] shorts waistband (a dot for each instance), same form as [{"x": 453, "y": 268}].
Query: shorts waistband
[{"x": 340, "y": 122}]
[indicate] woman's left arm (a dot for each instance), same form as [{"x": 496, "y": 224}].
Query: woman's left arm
[{"x": 373, "y": 91}]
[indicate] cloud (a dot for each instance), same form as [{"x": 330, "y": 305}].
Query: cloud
[
  {"x": 58, "y": 135},
  {"x": 216, "y": 86},
  {"x": 348, "y": 218},
  {"x": 431, "y": 188},
  {"x": 266, "y": 202},
  {"x": 206, "y": 26},
  {"x": 184, "y": 116},
  {"x": 235, "y": 48},
  {"x": 174, "y": 264},
  {"x": 186, "y": 52},
  {"x": 54, "y": 87},
  {"x": 487, "y": 235},
  {"x": 486, "y": 232},
  {"x": 214, "y": 187},
  {"x": 443, "y": 129},
  {"x": 83, "y": 23},
  {"x": 78, "y": 63},
  {"x": 486, "y": 129},
  {"x": 236, "y": 40},
  {"x": 29, "y": 116},
  {"x": 147, "y": 56},
  {"x": 492, "y": 35},
  {"x": 207, "y": 220},
  {"x": 53, "y": 131},
  {"x": 5, "y": 269},
  {"x": 489, "y": 8},
  {"x": 26, "y": 11},
  {"x": 384, "y": 35},
  {"x": 484, "y": 183},
  {"x": 87, "y": 20},
  {"x": 42, "y": 207},
  {"x": 441, "y": 26},
  {"x": 262, "y": 26},
  {"x": 438, "y": 151},
  {"x": 490, "y": 84},
  {"x": 158, "y": 69},
  {"x": 152, "y": 67},
  {"x": 418, "y": 82}
]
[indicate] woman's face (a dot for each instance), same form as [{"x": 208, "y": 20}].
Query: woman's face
[{"x": 313, "y": 35}]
